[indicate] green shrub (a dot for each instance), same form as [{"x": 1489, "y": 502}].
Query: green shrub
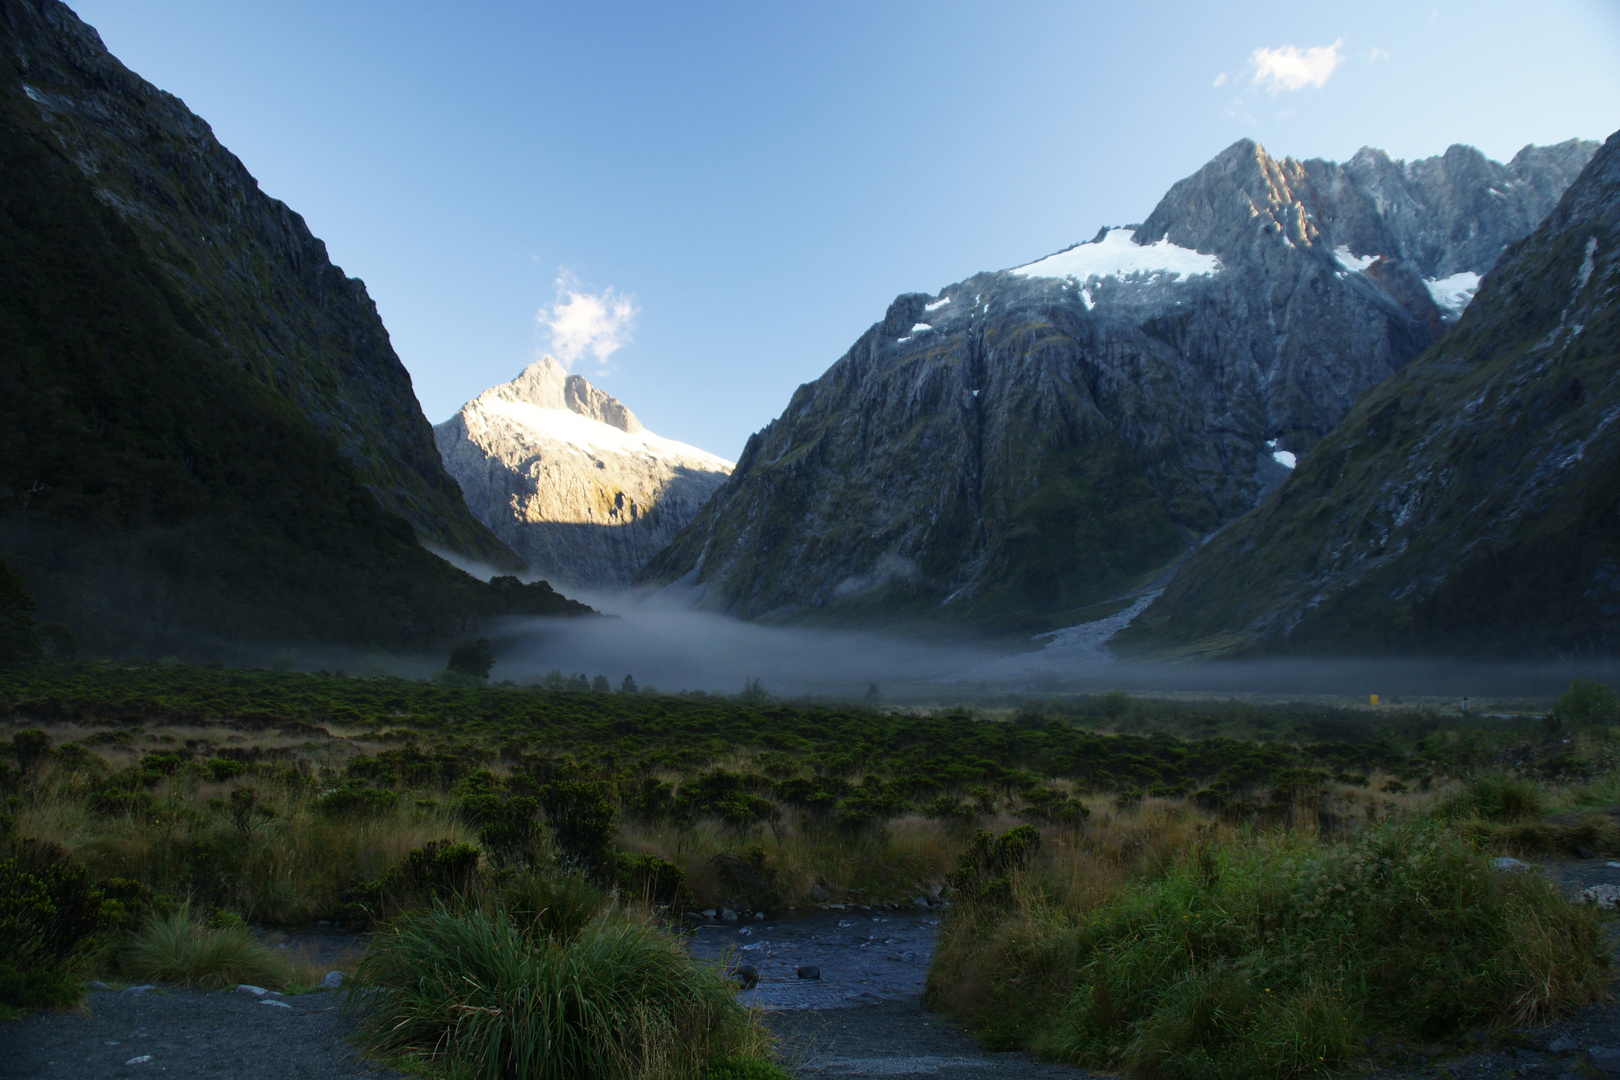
[
  {"x": 473, "y": 994},
  {"x": 355, "y": 800},
  {"x": 984, "y": 874},
  {"x": 1587, "y": 702},
  {"x": 51, "y": 918},
  {"x": 177, "y": 948},
  {"x": 583, "y": 824},
  {"x": 746, "y": 1068},
  {"x": 473, "y": 658},
  {"x": 654, "y": 879},
  {"x": 1274, "y": 957},
  {"x": 555, "y": 906},
  {"x": 1496, "y": 797}
]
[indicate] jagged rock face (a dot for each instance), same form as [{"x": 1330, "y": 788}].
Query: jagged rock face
[
  {"x": 567, "y": 476},
  {"x": 1468, "y": 505},
  {"x": 245, "y": 263},
  {"x": 1028, "y": 443}
]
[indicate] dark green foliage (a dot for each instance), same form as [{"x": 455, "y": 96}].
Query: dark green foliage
[
  {"x": 355, "y": 800},
  {"x": 440, "y": 870},
  {"x": 508, "y": 827},
  {"x": 1495, "y": 797},
  {"x": 654, "y": 879},
  {"x": 1587, "y": 702},
  {"x": 984, "y": 874},
  {"x": 583, "y": 824},
  {"x": 475, "y": 994},
  {"x": 50, "y": 914},
  {"x": 552, "y": 905},
  {"x": 31, "y": 747},
  {"x": 473, "y": 658},
  {"x": 1277, "y": 959},
  {"x": 19, "y": 638}
]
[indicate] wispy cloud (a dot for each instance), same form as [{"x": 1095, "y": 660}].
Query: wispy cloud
[
  {"x": 1293, "y": 68},
  {"x": 1377, "y": 54},
  {"x": 591, "y": 324},
  {"x": 1220, "y": 80}
]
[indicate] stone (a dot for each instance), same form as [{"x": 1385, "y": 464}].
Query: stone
[
  {"x": 1506, "y": 864},
  {"x": 273, "y": 1001},
  {"x": 1562, "y": 1045},
  {"x": 1604, "y": 1058},
  {"x": 142, "y": 1060},
  {"x": 918, "y": 901},
  {"x": 141, "y": 989},
  {"x": 759, "y": 916},
  {"x": 96, "y": 984},
  {"x": 709, "y": 913},
  {"x": 747, "y": 976},
  {"x": 1606, "y": 897},
  {"x": 1584, "y": 852},
  {"x": 808, "y": 971},
  {"x": 248, "y": 988},
  {"x": 332, "y": 980},
  {"x": 727, "y": 915},
  {"x": 819, "y": 894}
]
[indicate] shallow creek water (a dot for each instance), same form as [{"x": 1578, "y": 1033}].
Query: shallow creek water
[{"x": 864, "y": 956}]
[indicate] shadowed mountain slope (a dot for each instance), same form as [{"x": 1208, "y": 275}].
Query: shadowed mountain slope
[{"x": 1468, "y": 505}]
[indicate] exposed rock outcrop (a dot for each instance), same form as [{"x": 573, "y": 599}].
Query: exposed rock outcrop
[
  {"x": 566, "y": 475},
  {"x": 1468, "y": 505},
  {"x": 1026, "y": 444}
]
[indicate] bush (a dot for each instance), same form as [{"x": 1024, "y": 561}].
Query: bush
[
  {"x": 473, "y": 658},
  {"x": 354, "y": 800},
  {"x": 583, "y": 824},
  {"x": 555, "y": 906},
  {"x": 177, "y": 948},
  {"x": 1274, "y": 957},
  {"x": 471, "y": 993},
  {"x": 51, "y": 918},
  {"x": 653, "y": 879},
  {"x": 984, "y": 875},
  {"x": 1587, "y": 702},
  {"x": 1495, "y": 797}
]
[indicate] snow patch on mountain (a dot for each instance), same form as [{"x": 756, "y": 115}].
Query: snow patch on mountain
[
  {"x": 1116, "y": 254},
  {"x": 1452, "y": 294},
  {"x": 583, "y": 433}
]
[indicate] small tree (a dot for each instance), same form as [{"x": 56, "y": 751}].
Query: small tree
[
  {"x": 870, "y": 699},
  {"x": 629, "y": 685},
  {"x": 754, "y": 692},
  {"x": 600, "y": 685},
  {"x": 473, "y": 658},
  {"x": 1588, "y": 702},
  {"x": 555, "y": 680},
  {"x": 19, "y": 638}
]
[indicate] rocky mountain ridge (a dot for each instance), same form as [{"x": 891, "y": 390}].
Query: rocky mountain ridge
[
  {"x": 1468, "y": 505},
  {"x": 1028, "y": 444},
  {"x": 566, "y": 475}
]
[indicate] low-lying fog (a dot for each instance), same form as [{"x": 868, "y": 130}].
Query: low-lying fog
[{"x": 674, "y": 647}]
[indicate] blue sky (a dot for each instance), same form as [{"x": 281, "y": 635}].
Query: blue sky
[{"x": 730, "y": 193}]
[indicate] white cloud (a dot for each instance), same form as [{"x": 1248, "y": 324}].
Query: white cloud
[
  {"x": 584, "y": 323},
  {"x": 1293, "y": 68},
  {"x": 1220, "y": 80},
  {"x": 1377, "y": 54}
]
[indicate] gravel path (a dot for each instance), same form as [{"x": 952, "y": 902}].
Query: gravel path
[{"x": 227, "y": 1035}]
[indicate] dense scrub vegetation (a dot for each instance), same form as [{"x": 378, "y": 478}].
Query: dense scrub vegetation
[{"x": 1063, "y": 830}]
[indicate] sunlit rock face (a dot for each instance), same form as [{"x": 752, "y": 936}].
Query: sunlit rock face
[
  {"x": 567, "y": 476},
  {"x": 1025, "y": 445}
]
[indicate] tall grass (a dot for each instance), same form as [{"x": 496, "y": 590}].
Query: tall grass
[
  {"x": 1246, "y": 955},
  {"x": 473, "y": 993},
  {"x": 177, "y": 948}
]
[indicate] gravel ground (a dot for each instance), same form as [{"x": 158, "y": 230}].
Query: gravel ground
[{"x": 227, "y": 1035}]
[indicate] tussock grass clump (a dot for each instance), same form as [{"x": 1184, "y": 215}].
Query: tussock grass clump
[
  {"x": 177, "y": 948},
  {"x": 1269, "y": 956},
  {"x": 1498, "y": 797},
  {"x": 474, "y": 993}
]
